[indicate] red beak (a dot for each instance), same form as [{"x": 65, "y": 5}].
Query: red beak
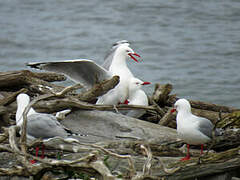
[
  {"x": 132, "y": 56},
  {"x": 173, "y": 110},
  {"x": 146, "y": 83}
]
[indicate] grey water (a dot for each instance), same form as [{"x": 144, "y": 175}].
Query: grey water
[{"x": 192, "y": 44}]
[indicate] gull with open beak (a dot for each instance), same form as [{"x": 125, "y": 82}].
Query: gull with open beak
[{"x": 88, "y": 73}]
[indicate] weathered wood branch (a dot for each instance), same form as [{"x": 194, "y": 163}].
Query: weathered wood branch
[
  {"x": 18, "y": 78},
  {"x": 3, "y": 110},
  {"x": 161, "y": 93},
  {"x": 11, "y": 98},
  {"x": 12, "y": 137},
  {"x": 69, "y": 102},
  {"x": 167, "y": 118},
  {"x": 4, "y": 136},
  {"x": 212, "y": 164},
  {"x": 99, "y": 89}
]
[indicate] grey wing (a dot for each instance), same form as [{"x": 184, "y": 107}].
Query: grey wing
[
  {"x": 45, "y": 126},
  {"x": 205, "y": 126},
  {"x": 86, "y": 72},
  {"x": 109, "y": 56},
  {"x": 108, "y": 59}
]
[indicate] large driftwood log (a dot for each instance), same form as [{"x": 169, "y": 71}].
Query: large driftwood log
[
  {"x": 18, "y": 78},
  {"x": 104, "y": 125}
]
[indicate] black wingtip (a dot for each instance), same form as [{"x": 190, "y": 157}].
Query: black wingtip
[{"x": 34, "y": 65}]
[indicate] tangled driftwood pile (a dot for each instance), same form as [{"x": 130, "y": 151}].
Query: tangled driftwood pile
[{"x": 117, "y": 146}]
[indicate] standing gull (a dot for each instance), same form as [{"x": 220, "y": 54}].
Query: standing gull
[
  {"x": 88, "y": 73},
  {"x": 191, "y": 129},
  {"x": 40, "y": 125}
]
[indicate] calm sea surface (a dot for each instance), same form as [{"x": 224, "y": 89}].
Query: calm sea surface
[{"x": 193, "y": 44}]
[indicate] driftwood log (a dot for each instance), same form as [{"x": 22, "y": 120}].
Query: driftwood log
[
  {"x": 25, "y": 77},
  {"x": 116, "y": 146}
]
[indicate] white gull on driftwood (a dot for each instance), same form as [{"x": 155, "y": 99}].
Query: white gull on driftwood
[
  {"x": 137, "y": 96},
  {"x": 192, "y": 129},
  {"x": 40, "y": 125}
]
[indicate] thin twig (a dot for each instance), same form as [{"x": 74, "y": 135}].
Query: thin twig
[
  {"x": 5, "y": 148},
  {"x": 68, "y": 89},
  {"x": 12, "y": 137},
  {"x": 148, "y": 163},
  {"x": 130, "y": 160}
]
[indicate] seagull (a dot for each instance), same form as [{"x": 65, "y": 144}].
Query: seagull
[
  {"x": 88, "y": 73},
  {"x": 137, "y": 96},
  {"x": 109, "y": 56},
  {"x": 119, "y": 67},
  {"x": 191, "y": 129},
  {"x": 40, "y": 125}
]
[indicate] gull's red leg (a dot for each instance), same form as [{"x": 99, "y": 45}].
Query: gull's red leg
[
  {"x": 34, "y": 161},
  {"x": 126, "y": 102},
  {"x": 188, "y": 154},
  {"x": 201, "y": 148},
  {"x": 43, "y": 150}
]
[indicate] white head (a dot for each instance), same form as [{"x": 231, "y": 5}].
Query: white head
[
  {"x": 125, "y": 51},
  {"x": 22, "y": 102},
  {"x": 182, "y": 105},
  {"x": 135, "y": 84},
  {"x": 23, "y": 99}
]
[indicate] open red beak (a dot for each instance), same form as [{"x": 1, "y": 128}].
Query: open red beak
[
  {"x": 132, "y": 56},
  {"x": 146, "y": 83},
  {"x": 173, "y": 110}
]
